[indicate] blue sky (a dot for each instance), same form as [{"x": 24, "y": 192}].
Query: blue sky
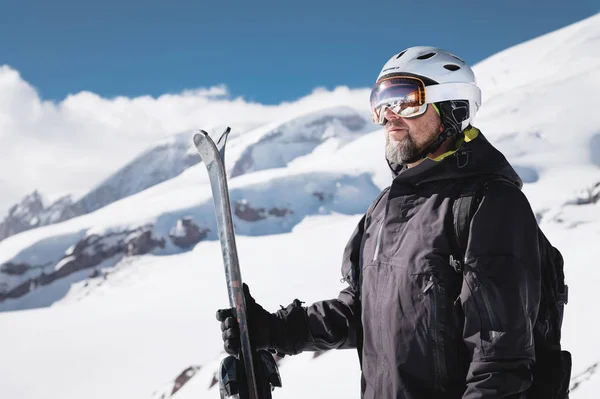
[{"x": 266, "y": 51}]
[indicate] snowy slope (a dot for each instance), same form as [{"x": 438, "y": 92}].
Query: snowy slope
[
  {"x": 162, "y": 162},
  {"x": 292, "y": 196},
  {"x": 153, "y": 317},
  {"x": 131, "y": 328},
  {"x": 275, "y": 147},
  {"x": 126, "y": 336},
  {"x": 539, "y": 108},
  {"x": 265, "y": 147}
]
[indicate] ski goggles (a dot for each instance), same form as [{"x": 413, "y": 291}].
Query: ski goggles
[{"x": 408, "y": 96}]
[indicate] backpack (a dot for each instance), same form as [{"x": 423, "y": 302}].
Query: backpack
[{"x": 552, "y": 369}]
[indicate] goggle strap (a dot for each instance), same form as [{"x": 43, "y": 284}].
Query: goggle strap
[{"x": 452, "y": 91}]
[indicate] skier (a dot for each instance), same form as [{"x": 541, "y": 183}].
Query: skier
[{"x": 428, "y": 320}]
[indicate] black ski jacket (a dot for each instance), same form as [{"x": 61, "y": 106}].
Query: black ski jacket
[{"x": 424, "y": 330}]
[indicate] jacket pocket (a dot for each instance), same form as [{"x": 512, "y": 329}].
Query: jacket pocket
[
  {"x": 485, "y": 303},
  {"x": 437, "y": 326},
  {"x": 499, "y": 300}
]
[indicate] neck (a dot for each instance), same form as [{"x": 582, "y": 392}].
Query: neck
[{"x": 446, "y": 146}]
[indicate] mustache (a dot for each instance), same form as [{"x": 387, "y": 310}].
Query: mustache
[{"x": 396, "y": 123}]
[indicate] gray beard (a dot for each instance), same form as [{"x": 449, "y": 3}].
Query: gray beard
[{"x": 401, "y": 152}]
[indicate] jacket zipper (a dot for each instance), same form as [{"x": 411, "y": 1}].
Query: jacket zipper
[
  {"x": 378, "y": 240},
  {"x": 380, "y": 360},
  {"x": 380, "y": 230},
  {"x": 440, "y": 372}
]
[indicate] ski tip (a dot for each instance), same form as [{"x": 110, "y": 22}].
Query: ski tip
[
  {"x": 224, "y": 136},
  {"x": 198, "y": 137}
]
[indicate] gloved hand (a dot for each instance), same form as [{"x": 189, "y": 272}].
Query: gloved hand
[
  {"x": 283, "y": 332},
  {"x": 259, "y": 324}
]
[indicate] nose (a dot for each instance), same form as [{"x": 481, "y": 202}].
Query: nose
[{"x": 390, "y": 115}]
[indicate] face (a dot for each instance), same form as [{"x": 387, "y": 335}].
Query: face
[{"x": 407, "y": 137}]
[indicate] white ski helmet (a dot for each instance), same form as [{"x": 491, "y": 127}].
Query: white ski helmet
[{"x": 454, "y": 77}]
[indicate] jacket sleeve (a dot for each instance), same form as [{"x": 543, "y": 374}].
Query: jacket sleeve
[
  {"x": 500, "y": 294},
  {"x": 327, "y": 324}
]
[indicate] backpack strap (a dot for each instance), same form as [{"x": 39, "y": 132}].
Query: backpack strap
[{"x": 463, "y": 209}]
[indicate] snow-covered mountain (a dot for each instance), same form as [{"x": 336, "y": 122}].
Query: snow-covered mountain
[
  {"x": 266, "y": 147},
  {"x": 164, "y": 161},
  {"x": 31, "y": 213},
  {"x": 122, "y": 299},
  {"x": 292, "y": 196},
  {"x": 160, "y": 163},
  {"x": 276, "y": 146}
]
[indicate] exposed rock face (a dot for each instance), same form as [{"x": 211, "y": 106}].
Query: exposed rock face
[
  {"x": 280, "y": 212},
  {"x": 31, "y": 213},
  {"x": 89, "y": 252},
  {"x": 172, "y": 387},
  {"x": 14, "y": 269},
  {"x": 244, "y": 211},
  {"x": 141, "y": 242},
  {"x": 590, "y": 195},
  {"x": 186, "y": 233},
  {"x": 184, "y": 377},
  {"x": 320, "y": 195},
  {"x": 584, "y": 376},
  {"x": 160, "y": 163}
]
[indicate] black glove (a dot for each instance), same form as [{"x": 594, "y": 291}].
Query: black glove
[
  {"x": 259, "y": 321},
  {"x": 284, "y": 332}
]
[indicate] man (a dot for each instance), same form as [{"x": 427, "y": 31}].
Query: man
[{"x": 428, "y": 321}]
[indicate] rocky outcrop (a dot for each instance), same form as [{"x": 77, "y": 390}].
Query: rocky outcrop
[
  {"x": 31, "y": 213},
  {"x": 319, "y": 195},
  {"x": 184, "y": 377},
  {"x": 172, "y": 387},
  {"x": 585, "y": 376},
  {"x": 244, "y": 211},
  {"x": 186, "y": 233},
  {"x": 87, "y": 253},
  {"x": 141, "y": 242},
  {"x": 160, "y": 163},
  {"x": 589, "y": 195},
  {"x": 14, "y": 269}
]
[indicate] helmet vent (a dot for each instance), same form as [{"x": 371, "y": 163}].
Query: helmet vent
[
  {"x": 458, "y": 58},
  {"x": 401, "y": 54},
  {"x": 425, "y": 56},
  {"x": 452, "y": 67}
]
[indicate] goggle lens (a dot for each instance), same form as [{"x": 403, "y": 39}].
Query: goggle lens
[{"x": 403, "y": 96}]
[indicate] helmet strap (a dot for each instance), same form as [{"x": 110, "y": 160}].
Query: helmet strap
[{"x": 452, "y": 114}]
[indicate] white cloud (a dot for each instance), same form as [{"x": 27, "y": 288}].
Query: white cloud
[{"x": 72, "y": 145}]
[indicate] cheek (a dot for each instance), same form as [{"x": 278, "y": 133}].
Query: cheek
[
  {"x": 424, "y": 132},
  {"x": 416, "y": 131}
]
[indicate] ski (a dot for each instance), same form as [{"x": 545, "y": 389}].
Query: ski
[{"x": 236, "y": 381}]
